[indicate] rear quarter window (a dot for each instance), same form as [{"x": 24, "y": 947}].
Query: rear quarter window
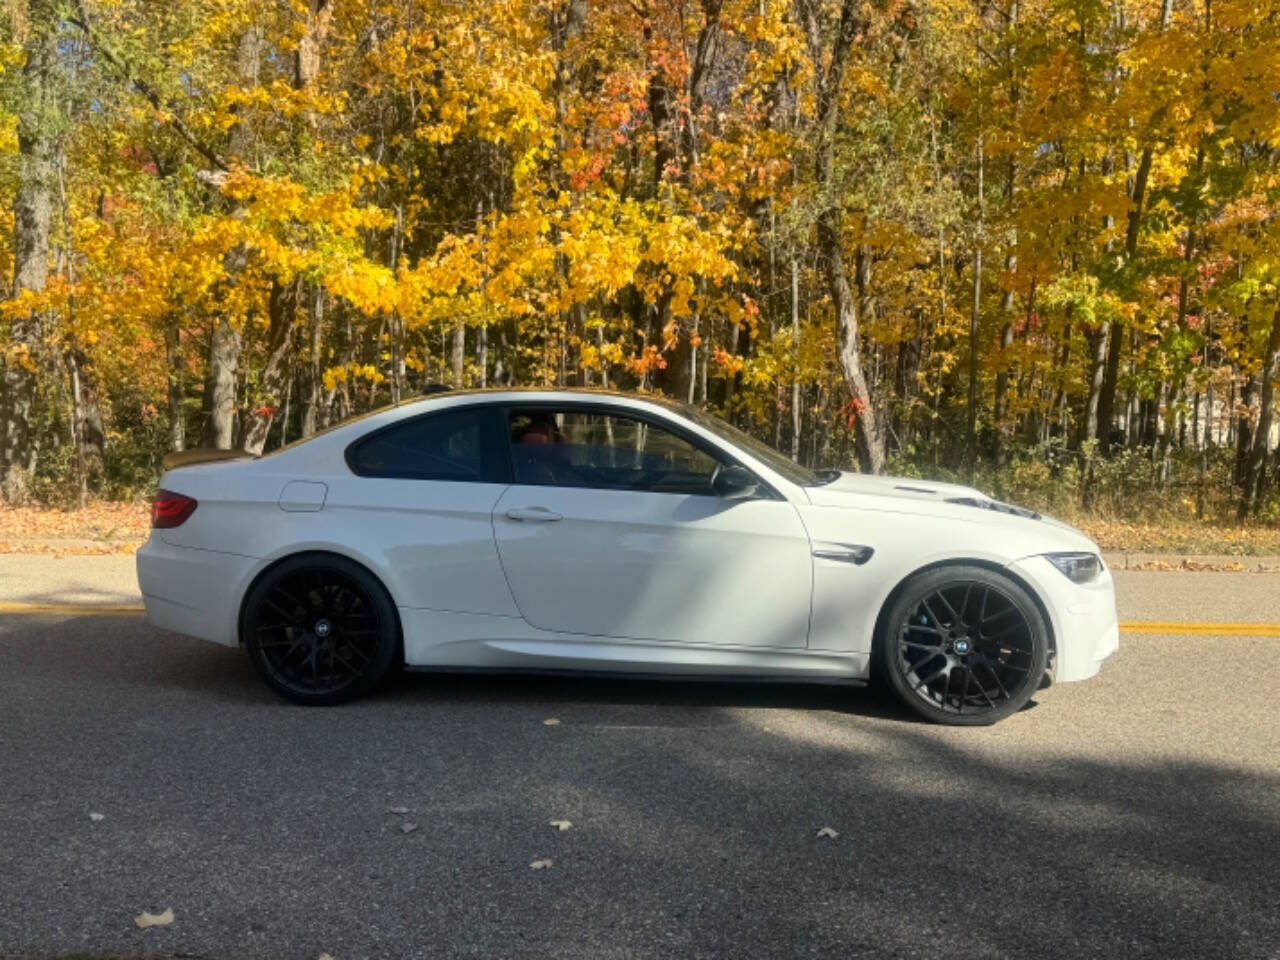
[{"x": 459, "y": 446}]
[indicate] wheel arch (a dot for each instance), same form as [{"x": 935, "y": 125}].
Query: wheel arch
[
  {"x": 319, "y": 553},
  {"x": 878, "y": 634}
]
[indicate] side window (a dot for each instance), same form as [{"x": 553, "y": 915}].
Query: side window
[
  {"x": 585, "y": 448},
  {"x": 457, "y": 446}
]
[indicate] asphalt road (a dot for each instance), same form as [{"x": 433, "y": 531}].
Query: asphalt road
[{"x": 1135, "y": 815}]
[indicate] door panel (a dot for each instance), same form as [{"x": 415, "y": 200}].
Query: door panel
[
  {"x": 434, "y": 539},
  {"x": 656, "y": 566}
]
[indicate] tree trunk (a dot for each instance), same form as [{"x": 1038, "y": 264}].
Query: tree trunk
[
  {"x": 38, "y": 119},
  {"x": 1254, "y": 471},
  {"x": 975, "y": 314},
  {"x": 1243, "y": 435},
  {"x": 315, "y": 379},
  {"x": 1107, "y": 398},
  {"x": 459, "y": 352},
  {"x": 796, "y": 411},
  {"x": 219, "y": 404},
  {"x": 176, "y": 386},
  {"x": 282, "y": 311},
  {"x": 868, "y": 440},
  {"x": 220, "y": 385},
  {"x": 89, "y": 431}
]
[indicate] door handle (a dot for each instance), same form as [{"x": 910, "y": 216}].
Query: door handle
[{"x": 533, "y": 514}]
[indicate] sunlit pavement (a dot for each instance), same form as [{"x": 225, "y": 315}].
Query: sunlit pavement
[{"x": 1137, "y": 814}]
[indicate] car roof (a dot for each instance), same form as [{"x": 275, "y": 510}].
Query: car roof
[
  {"x": 551, "y": 391},
  {"x": 448, "y": 397}
]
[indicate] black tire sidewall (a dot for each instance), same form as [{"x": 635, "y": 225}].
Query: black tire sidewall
[
  {"x": 884, "y": 653},
  {"x": 389, "y": 627}
]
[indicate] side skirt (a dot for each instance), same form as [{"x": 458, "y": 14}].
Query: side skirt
[
  {"x": 437, "y": 640},
  {"x": 762, "y": 680}
]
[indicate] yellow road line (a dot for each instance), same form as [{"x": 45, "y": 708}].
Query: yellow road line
[
  {"x": 72, "y": 609},
  {"x": 1202, "y": 629},
  {"x": 1132, "y": 626}
]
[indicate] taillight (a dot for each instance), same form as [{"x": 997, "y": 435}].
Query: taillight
[{"x": 171, "y": 509}]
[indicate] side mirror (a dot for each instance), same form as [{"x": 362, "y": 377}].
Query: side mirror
[{"x": 734, "y": 483}]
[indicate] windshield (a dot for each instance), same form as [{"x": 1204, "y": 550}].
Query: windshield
[{"x": 757, "y": 448}]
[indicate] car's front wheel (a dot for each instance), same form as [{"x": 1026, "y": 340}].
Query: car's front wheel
[
  {"x": 320, "y": 629},
  {"x": 962, "y": 645}
]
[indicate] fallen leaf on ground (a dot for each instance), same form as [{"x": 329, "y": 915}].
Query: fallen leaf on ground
[
  {"x": 551, "y": 722},
  {"x": 562, "y": 824},
  {"x": 145, "y": 920},
  {"x": 97, "y": 817},
  {"x": 325, "y": 956},
  {"x": 397, "y": 809},
  {"x": 828, "y": 832},
  {"x": 101, "y": 520},
  {"x": 408, "y": 827},
  {"x": 540, "y": 864}
]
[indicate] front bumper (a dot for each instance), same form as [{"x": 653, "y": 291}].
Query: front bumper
[
  {"x": 192, "y": 591},
  {"x": 1082, "y": 617}
]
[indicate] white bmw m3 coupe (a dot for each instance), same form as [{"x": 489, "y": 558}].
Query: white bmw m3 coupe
[{"x": 583, "y": 531}]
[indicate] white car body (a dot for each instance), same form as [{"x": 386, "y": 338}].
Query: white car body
[{"x": 624, "y": 581}]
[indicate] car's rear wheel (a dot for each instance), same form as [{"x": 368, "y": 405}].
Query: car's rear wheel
[
  {"x": 320, "y": 629},
  {"x": 962, "y": 645}
]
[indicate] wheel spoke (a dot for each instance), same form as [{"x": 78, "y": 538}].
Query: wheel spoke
[
  {"x": 358, "y": 652},
  {"x": 945, "y": 668},
  {"x": 936, "y": 647},
  {"x": 955, "y": 617},
  {"x": 1014, "y": 652},
  {"x": 291, "y": 642},
  {"x": 924, "y": 604},
  {"x": 997, "y": 616},
  {"x": 996, "y": 675},
  {"x": 297, "y": 604},
  {"x": 1008, "y": 631},
  {"x": 289, "y": 614},
  {"x": 982, "y": 689},
  {"x": 912, "y": 627}
]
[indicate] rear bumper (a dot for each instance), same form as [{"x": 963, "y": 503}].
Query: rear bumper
[
  {"x": 195, "y": 592},
  {"x": 1082, "y": 617}
]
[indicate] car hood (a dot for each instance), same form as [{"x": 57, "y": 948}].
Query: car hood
[
  {"x": 904, "y": 488},
  {"x": 944, "y": 500}
]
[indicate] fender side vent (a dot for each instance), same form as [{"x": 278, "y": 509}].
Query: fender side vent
[{"x": 995, "y": 505}]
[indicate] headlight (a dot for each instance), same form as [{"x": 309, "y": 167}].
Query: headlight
[{"x": 1077, "y": 567}]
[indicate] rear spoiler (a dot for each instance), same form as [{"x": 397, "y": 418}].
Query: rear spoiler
[{"x": 187, "y": 458}]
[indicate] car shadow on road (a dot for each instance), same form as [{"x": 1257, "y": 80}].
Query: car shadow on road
[
  {"x": 547, "y": 690},
  {"x": 696, "y": 808},
  {"x": 130, "y": 653}
]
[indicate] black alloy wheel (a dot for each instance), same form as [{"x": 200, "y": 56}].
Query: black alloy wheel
[
  {"x": 320, "y": 629},
  {"x": 963, "y": 645}
]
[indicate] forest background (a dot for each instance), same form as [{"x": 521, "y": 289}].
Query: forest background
[{"x": 1029, "y": 244}]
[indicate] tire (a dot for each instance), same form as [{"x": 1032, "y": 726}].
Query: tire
[
  {"x": 320, "y": 629},
  {"x": 962, "y": 645}
]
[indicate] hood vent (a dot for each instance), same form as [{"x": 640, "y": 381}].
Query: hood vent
[
  {"x": 995, "y": 505},
  {"x": 906, "y": 489}
]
